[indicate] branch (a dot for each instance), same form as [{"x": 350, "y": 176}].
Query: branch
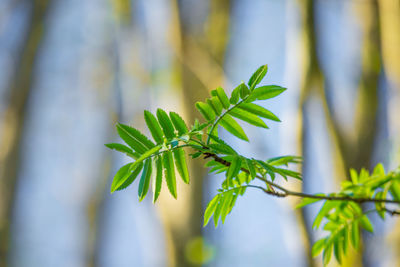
[
  {"x": 391, "y": 212},
  {"x": 286, "y": 193}
]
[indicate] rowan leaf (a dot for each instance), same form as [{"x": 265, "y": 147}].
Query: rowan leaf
[
  {"x": 212, "y": 205},
  {"x": 145, "y": 179},
  {"x": 257, "y": 76},
  {"x": 205, "y": 110},
  {"x": 124, "y": 149},
  {"x": 125, "y": 176},
  {"x": 259, "y": 111},
  {"x": 169, "y": 172},
  {"x": 157, "y": 180},
  {"x": 233, "y": 127},
  {"x": 166, "y": 124},
  {"x": 180, "y": 163},
  {"x": 248, "y": 117},
  {"x": 154, "y": 127},
  {"x": 222, "y": 97},
  {"x": 265, "y": 92},
  {"x": 179, "y": 123}
]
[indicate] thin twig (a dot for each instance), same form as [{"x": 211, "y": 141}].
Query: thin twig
[{"x": 286, "y": 193}]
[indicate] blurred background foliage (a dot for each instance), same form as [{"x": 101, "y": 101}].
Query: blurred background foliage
[{"x": 71, "y": 69}]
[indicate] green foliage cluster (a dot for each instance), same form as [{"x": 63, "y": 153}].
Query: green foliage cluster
[{"x": 161, "y": 158}]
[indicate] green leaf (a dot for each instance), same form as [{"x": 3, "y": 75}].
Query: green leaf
[
  {"x": 395, "y": 190},
  {"x": 145, "y": 179},
  {"x": 205, "y": 110},
  {"x": 290, "y": 173},
  {"x": 124, "y": 149},
  {"x": 233, "y": 127},
  {"x": 257, "y": 76},
  {"x": 366, "y": 224},
  {"x": 234, "y": 168},
  {"x": 225, "y": 208},
  {"x": 179, "y": 123},
  {"x": 215, "y": 104},
  {"x": 169, "y": 172},
  {"x": 307, "y": 201},
  {"x": 354, "y": 176},
  {"x": 265, "y": 92},
  {"x": 379, "y": 169},
  {"x": 223, "y": 97},
  {"x": 180, "y": 163},
  {"x": 235, "y": 95},
  {"x": 144, "y": 156},
  {"x": 248, "y": 117},
  {"x": 124, "y": 177},
  {"x": 259, "y": 111},
  {"x": 318, "y": 247},
  {"x": 379, "y": 205},
  {"x": 326, "y": 208},
  {"x": 217, "y": 212},
  {"x": 326, "y": 256},
  {"x": 222, "y": 149},
  {"x": 244, "y": 90},
  {"x": 337, "y": 247},
  {"x": 137, "y": 134},
  {"x": 212, "y": 205},
  {"x": 154, "y": 127},
  {"x": 165, "y": 123},
  {"x": 267, "y": 167},
  {"x": 251, "y": 168},
  {"x": 355, "y": 234},
  {"x": 157, "y": 181},
  {"x": 131, "y": 140},
  {"x": 284, "y": 160}
]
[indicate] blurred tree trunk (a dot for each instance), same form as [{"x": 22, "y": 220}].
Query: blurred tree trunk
[
  {"x": 311, "y": 79},
  {"x": 389, "y": 15},
  {"x": 314, "y": 83},
  {"x": 122, "y": 12},
  {"x": 199, "y": 59},
  {"x": 359, "y": 154},
  {"x": 349, "y": 153},
  {"x": 13, "y": 122}
]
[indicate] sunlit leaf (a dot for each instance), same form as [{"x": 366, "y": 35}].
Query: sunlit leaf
[
  {"x": 248, "y": 117},
  {"x": 235, "y": 95},
  {"x": 131, "y": 140},
  {"x": 124, "y": 149},
  {"x": 366, "y": 224},
  {"x": 251, "y": 168},
  {"x": 179, "y": 123},
  {"x": 165, "y": 123},
  {"x": 259, "y": 111},
  {"x": 220, "y": 93},
  {"x": 215, "y": 104},
  {"x": 205, "y": 110},
  {"x": 169, "y": 172},
  {"x": 318, "y": 247},
  {"x": 154, "y": 127},
  {"x": 212, "y": 205},
  {"x": 145, "y": 179},
  {"x": 234, "y": 168},
  {"x": 157, "y": 180},
  {"x": 125, "y": 176},
  {"x": 257, "y": 76},
  {"x": 307, "y": 201},
  {"x": 233, "y": 127},
  {"x": 137, "y": 135},
  {"x": 265, "y": 92},
  {"x": 225, "y": 208},
  {"x": 180, "y": 163}
]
